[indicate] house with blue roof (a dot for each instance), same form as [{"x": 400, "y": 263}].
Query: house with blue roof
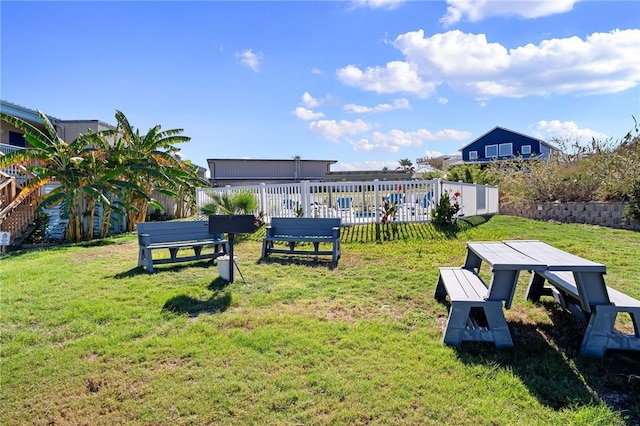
[{"x": 504, "y": 144}]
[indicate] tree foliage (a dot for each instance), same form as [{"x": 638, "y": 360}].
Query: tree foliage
[
  {"x": 114, "y": 170},
  {"x": 598, "y": 171}
]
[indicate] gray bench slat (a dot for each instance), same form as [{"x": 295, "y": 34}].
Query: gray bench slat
[
  {"x": 463, "y": 284},
  {"x": 185, "y": 244},
  {"x": 566, "y": 282}
]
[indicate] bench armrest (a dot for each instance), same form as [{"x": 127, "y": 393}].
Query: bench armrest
[
  {"x": 336, "y": 232},
  {"x": 268, "y": 231},
  {"x": 144, "y": 239}
]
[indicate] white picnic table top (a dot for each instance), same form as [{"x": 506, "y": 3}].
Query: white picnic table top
[
  {"x": 503, "y": 257},
  {"x": 554, "y": 258}
]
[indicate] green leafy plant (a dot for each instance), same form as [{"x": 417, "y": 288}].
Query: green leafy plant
[
  {"x": 389, "y": 210},
  {"x": 229, "y": 204},
  {"x": 445, "y": 213}
]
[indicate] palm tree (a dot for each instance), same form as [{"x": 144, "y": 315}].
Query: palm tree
[
  {"x": 406, "y": 165},
  {"x": 152, "y": 164},
  {"x": 52, "y": 159}
]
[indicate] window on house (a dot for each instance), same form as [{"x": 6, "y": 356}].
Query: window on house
[
  {"x": 17, "y": 139},
  {"x": 506, "y": 149},
  {"x": 491, "y": 151},
  {"x": 525, "y": 150},
  {"x": 473, "y": 155}
]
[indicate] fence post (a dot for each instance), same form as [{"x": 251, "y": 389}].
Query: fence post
[
  {"x": 262, "y": 195},
  {"x": 376, "y": 195},
  {"x": 305, "y": 197},
  {"x": 437, "y": 191}
]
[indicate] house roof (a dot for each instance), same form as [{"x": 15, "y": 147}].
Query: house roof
[
  {"x": 510, "y": 131},
  {"x": 271, "y": 160},
  {"x": 23, "y": 112}
]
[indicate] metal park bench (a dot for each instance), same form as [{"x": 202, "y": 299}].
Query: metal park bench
[
  {"x": 175, "y": 236},
  {"x": 294, "y": 230}
]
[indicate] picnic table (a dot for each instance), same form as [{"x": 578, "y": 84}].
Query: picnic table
[{"x": 574, "y": 281}]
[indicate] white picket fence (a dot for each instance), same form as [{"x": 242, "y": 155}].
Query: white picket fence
[{"x": 360, "y": 202}]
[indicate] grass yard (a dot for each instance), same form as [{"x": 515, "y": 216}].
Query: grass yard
[{"x": 88, "y": 338}]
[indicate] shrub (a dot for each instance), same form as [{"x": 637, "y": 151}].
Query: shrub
[
  {"x": 598, "y": 171},
  {"x": 447, "y": 209},
  {"x": 632, "y": 211}
]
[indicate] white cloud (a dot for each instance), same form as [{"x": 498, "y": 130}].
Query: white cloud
[
  {"x": 333, "y": 130},
  {"x": 360, "y": 109},
  {"x": 367, "y": 145},
  {"x": 433, "y": 154},
  {"x": 442, "y": 100},
  {"x": 470, "y": 64},
  {"x": 250, "y": 59},
  {"x": 309, "y": 101},
  {"x": 364, "y": 165},
  {"x": 395, "y": 139},
  {"x": 477, "y": 10},
  {"x": 564, "y": 130},
  {"x": 378, "y": 4},
  {"x": 306, "y": 114},
  {"x": 395, "y": 77}
]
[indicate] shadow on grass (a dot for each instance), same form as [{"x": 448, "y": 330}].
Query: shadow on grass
[
  {"x": 380, "y": 233},
  {"x": 193, "y": 307},
  {"x": 159, "y": 269},
  {"x": 546, "y": 359},
  {"x": 218, "y": 302},
  {"x": 307, "y": 261}
]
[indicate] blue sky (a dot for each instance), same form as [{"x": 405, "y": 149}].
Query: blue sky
[{"x": 366, "y": 83}]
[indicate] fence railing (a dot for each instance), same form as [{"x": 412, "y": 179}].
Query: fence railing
[{"x": 360, "y": 202}]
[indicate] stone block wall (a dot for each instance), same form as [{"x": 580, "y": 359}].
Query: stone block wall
[{"x": 602, "y": 214}]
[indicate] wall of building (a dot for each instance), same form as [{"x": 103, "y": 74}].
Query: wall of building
[
  {"x": 601, "y": 214},
  {"x": 247, "y": 171}
]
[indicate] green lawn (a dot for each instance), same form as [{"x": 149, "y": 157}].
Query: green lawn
[{"x": 88, "y": 338}]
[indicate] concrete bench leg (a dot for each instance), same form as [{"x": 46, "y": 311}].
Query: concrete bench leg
[
  {"x": 149, "y": 260},
  {"x": 601, "y": 335},
  {"x": 441, "y": 292},
  {"x": 536, "y": 288},
  {"x": 460, "y": 327},
  {"x": 336, "y": 252}
]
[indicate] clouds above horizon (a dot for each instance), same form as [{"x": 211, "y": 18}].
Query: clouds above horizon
[
  {"x": 361, "y": 109},
  {"x": 567, "y": 130},
  {"x": 473, "y": 66},
  {"x": 477, "y": 10}
]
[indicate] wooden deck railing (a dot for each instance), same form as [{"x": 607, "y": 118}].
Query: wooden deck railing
[
  {"x": 20, "y": 213},
  {"x": 17, "y": 206}
]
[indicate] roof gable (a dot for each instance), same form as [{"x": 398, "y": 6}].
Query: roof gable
[{"x": 498, "y": 130}]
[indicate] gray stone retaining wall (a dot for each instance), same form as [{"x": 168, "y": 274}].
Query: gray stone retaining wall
[{"x": 602, "y": 214}]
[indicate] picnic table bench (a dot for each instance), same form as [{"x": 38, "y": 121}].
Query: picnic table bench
[
  {"x": 294, "y": 230},
  {"x": 175, "y": 236},
  {"x": 577, "y": 284}
]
